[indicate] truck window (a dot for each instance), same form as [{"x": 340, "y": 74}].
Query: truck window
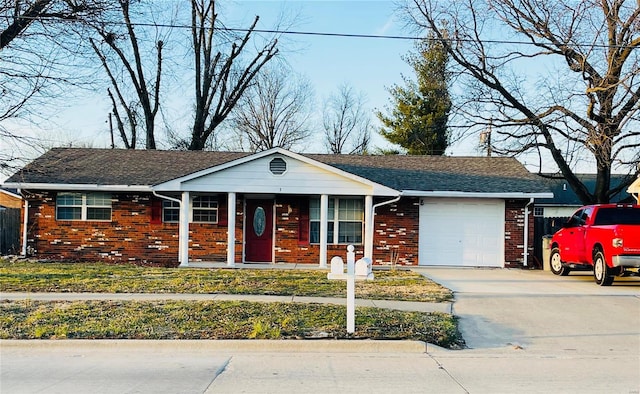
[
  {"x": 577, "y": 219},
  {"x": 618, "y": 215}
]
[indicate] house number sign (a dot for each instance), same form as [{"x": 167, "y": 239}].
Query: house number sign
[{"x": 259, "y": 221}]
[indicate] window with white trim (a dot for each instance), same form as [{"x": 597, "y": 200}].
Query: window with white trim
[
  {"x": 83, "y": 206},
  {"x": 170, "y": 211},
  {"x": 348, "y": 227},
  {"x": 205, "y": 209}
]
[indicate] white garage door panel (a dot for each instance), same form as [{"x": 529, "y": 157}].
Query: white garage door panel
[{"x": 462, "y": 232}]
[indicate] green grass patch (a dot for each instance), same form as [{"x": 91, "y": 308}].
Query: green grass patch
[
  {"x": 217, "y": 320},
  {"x": 26, "y": 276}
]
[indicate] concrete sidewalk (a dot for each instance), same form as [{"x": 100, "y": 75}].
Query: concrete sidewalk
[{"x": 444, "y": 307}]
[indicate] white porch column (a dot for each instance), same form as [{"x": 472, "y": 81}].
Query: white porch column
[
  {"x": 25, "y": 226},
  {"x": 231, "y": 230},
  {"x": 324, "y": 209},
  {"x": 183, "y": 233},
  {"x": 368, "y": 227}
]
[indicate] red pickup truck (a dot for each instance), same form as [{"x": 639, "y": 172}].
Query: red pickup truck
[{"x": 605, "y": 238}]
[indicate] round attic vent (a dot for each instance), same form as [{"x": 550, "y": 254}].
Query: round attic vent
[{"x": 277, "y": 166}]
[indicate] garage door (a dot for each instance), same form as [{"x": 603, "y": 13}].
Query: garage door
[{"x": 461, "y": 232}]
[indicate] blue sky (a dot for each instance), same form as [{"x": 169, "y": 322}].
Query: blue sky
[{"x": 370, "y": 65}]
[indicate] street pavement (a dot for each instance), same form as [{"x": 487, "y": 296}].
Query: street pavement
[{"x": 526, "y": 331}]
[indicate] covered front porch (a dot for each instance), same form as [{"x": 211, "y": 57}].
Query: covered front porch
[{"x": 277, "y": 203}]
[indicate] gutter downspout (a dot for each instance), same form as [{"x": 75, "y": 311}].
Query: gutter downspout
[
  {"x": 371, "y": 226},
  {"x": 526, "y": 232},
  {"x": 25, "y": 222},
  {"x": 180, "y": 203}
]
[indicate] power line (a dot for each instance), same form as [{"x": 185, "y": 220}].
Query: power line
[{"x": 321, "y": 34}]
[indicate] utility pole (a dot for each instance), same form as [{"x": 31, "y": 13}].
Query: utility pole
[
  {"x": 113, "y": 145},
  {"x": 489, "y": 139},
  {"x": 485, "y": 139}
]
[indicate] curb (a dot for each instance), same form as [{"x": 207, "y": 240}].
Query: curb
[{"x": 258, "y": 345}]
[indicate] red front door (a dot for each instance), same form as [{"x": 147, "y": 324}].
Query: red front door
[{"x": 259, "y": 231}]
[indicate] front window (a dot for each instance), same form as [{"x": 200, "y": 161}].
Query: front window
[
  {"x": 83, "y": 206},
  {"x": 170, "y": 211},
  {"x": 348, "y": 226},
  {"x": 314, "y": 220},
  {"x": 205, "y": 209}
]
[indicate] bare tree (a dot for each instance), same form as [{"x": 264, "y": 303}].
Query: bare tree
[
  {"x": 588, "y": 107},
  {"x": 18, "y": 15},
  {"x": 34, "y": 65},
  {"x": 220, "y": 78},
  {"x": 274, "y": 111},
  {"x": 346, "y": 122},
  {"x": 121, "y": 55}
]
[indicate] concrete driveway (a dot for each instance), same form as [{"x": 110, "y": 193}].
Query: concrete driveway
[
  {"x": 538, "y": 311},
  {"x": 537, "y": 332}
]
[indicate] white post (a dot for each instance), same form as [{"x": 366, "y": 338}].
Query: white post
[
  {"x": 351, "y": 290},
  {"x": 324, "y": 209},
  {"x": 231, "y": 230},
  {"x": 25, "y": 226},
  {"x": 183, "y": 232},
  {"x": 368, "y": 227}
]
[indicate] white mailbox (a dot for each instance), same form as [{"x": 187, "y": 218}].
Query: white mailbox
[
  {"x": 337, "y": 268},
  {"x": 361, "y": 270},
  {"x": 364, "y": 268}
]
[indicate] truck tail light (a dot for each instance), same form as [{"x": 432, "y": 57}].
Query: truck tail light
[{"x": 617, "y": 242}]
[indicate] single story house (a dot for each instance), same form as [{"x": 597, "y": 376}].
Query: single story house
[
  {"x": 276, "y": 206},
  {"x": 565, "y": 202}
]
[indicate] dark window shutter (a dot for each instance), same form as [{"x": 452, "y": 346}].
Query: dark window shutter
[
  {"x": 156, "y": 212},
  {"x": 223, "y": 217},
  {"x": 303, "y": 221}
]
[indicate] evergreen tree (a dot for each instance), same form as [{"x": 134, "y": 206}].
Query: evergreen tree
[{"x": 418, "y": 119}]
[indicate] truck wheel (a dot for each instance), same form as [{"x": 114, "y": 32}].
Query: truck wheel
[
  {"x": 601, "y": 272},
  {"x": 556, "y": 264}
]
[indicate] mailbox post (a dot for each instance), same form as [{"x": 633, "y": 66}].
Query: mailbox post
[{"x": 360, "y": 270}]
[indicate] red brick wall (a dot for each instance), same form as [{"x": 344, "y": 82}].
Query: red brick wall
[
  {"x": 514, "y": 233},
  {"x": 208, "y": 242},
  {"x": 130, "y": 237},
  {"x": 288, "y": 247},
  {"x": 396, "y": 232},
  {"x": 396, "y": 229}
]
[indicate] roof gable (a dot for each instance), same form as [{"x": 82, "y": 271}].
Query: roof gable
[{"x": 252, "y": 174}]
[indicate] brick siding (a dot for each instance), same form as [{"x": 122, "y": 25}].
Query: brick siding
[
  {"x": 396, "y": 233},
  {"x": 131, "y": 237},
  {"x": 514, "y": 233}
]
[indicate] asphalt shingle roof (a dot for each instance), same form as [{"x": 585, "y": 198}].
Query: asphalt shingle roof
[{"x": 150, "y": 167}]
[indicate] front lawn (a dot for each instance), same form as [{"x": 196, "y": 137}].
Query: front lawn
[
  {"x": 217, "y": 320},
  {"x": 214, "y": 319},
  {"x": 25, "y": 276}
]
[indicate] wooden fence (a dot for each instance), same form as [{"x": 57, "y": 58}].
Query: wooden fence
[
  {"x": 9, "y": 231},
  {"x": 544, "y": 226}
]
